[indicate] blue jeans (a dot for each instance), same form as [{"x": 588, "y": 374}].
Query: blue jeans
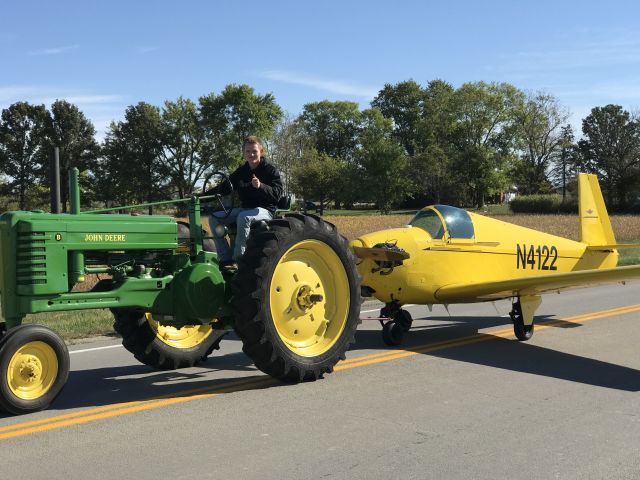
[{"x": 243, "y": 218}]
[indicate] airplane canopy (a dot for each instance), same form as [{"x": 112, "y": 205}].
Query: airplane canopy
[{"x": 438, "y": 219}]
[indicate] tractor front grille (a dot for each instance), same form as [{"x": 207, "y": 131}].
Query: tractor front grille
[{"x": 31, "y": 261}]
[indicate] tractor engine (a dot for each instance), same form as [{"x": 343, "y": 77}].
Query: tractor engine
[{"x": 44, "y": 256}]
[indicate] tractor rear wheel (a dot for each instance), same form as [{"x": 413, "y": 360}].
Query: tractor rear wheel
[
  {"x": 161, "y": 346},
  {"x": 296, "y": 298},
  {"x": 34, "y": 366}
]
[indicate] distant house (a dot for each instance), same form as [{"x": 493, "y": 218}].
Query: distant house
[{"x": 508, "y": 196}]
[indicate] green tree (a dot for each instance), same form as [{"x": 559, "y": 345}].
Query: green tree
[
  {"x": 431, "y": 177},
  {"x": 316, "y": 176},
  {"x": 565, "y": 162},
  {"x": 611, "y": 148},
  {"x": 75, "y": 135},
  {"x": 383, "y": 162},
  {"x": 432, "y": 164},
  {"x": 537, "y": 127},
  {"x": 423, "y": 120},
  {"x": 131, "y": 158},
  {"x": 23, "y": 149},
  {"x": 404, "y": 103},
  {"x": 110, "y": 169},
  {"x": 332, "y": 127},
  {"x": 482, "y": 138},
  {"x": 232, "y": 116},
  {"x": 183, "y": 137},
  {"x": 287, "y": 144}
]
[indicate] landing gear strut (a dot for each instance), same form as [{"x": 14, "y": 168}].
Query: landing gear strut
[{"x": 399, "y": 322}]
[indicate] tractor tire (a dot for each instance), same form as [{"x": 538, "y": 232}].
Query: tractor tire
[
  {"x": 208, "y": 244},
  {"x": 164, "y": 347},
  {"x": 296, "y": 298},
  {"x": 34, "y": 367}
]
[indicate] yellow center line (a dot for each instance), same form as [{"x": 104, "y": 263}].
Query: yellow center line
[
  {"x": 231, "y": 386},
  {"x": 102, "y": 413},
  {"x": 183, "y": 396}
]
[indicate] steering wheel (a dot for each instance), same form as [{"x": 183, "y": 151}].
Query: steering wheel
[{"x": 225, "y": 178}]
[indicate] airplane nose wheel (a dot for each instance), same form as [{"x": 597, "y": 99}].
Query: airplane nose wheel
[
  {"x": 392, "y": 333},
  {"x": 393, "y": 330},
  {"x": 520, "y": 330}
]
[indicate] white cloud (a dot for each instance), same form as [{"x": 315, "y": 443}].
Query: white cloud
[
  {"x": 53, "y": 51},
  {"x": 339, "y": 87}
]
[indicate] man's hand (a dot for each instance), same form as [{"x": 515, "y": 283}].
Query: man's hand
[{"x": 255, "y": 181}]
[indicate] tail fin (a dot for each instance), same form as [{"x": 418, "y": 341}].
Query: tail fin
[{"x": 595, "y": 227}]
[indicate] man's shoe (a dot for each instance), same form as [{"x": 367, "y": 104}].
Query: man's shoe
[{"x": 228, "y": 265}]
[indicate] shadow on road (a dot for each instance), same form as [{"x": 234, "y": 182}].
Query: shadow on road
[
  {"x": 493, "y": 351},
  {"x": 115, "y": 385}
]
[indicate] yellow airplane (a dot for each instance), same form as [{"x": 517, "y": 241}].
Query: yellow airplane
[{"x": 448, "y": 255}]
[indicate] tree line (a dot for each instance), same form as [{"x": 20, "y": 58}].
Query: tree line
[{"x": 414, "y": 145}]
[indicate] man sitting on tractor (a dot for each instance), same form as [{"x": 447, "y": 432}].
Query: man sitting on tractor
[{"x": 259, "y": 187}]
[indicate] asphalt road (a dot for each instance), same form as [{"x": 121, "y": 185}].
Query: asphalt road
[{"x": 461, "y": 399}]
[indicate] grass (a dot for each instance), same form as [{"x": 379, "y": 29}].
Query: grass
[
  {"x": 76, "y": 324},
  {"x": 83, "y": 323},
  {"x": 629, "y": 256}
]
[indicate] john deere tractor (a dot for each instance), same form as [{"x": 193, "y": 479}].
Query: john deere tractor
[{"x": 294, "y": 299}]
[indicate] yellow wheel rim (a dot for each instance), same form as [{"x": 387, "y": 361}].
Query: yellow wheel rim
[
  {"x": 32, "y": 370},
  {"x": 186, "y": 337},
  {"x": 309, "y": 295}
]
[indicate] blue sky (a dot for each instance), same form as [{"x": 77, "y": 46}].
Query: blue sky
[{"x": 104, "y": 56}]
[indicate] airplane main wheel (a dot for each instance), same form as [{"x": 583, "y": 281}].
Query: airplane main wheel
[
  {"x": 163, "y": 346},
  {"x": 521, "y": 331},
  {"x": 392, "y": 333},
  {"x": 296, "y": 298},
  {"x": 404, "y": 319},
  {"x": 34, "y": 366},
  {"x": 392, "y": 310}
]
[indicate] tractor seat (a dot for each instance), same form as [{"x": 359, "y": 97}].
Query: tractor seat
[{"x": 283, "y": 205}]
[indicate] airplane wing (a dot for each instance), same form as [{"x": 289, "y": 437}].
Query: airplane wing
[{"x": 474, "y": 292}]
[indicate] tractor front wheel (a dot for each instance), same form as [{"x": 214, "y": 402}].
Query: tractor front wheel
[
  {"x": 161, "y": 346},
  {"x": 296, "y": 298},
  {"x": 34, "y": 366}
]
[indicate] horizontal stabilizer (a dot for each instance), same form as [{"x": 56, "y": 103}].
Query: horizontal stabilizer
[{"x": 380, "y": 254}]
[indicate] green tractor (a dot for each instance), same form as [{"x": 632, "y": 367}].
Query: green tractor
[{"x": 294, "y": 299}]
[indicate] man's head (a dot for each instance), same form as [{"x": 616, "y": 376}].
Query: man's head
[{"x": 252, "y": 151}]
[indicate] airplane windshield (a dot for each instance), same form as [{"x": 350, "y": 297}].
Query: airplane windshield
[
  {"x": 429, "y": 221},
  {"x": 457, "y": 220},
  {"x": 459, "y": 224}
]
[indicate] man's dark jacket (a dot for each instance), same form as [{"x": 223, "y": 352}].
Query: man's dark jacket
[{"x": 266, "y": 196}]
